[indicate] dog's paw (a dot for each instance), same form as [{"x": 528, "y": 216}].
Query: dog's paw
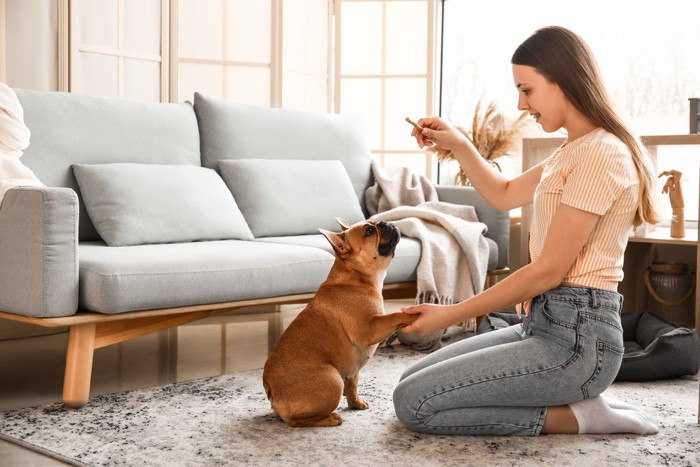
[
  {"x": 358, "y": 404},
  {"x": 332, "y": 419}
]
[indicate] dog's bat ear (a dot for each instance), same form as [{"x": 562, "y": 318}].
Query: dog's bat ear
[
  {"x": 337, "y": 241},
  {"x": 343, "y": 223}
]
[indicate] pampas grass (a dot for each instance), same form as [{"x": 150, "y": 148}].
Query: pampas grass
[{"x": 493, "y": 135}]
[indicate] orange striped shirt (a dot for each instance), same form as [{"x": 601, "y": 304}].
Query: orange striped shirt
[{"x": 594, "y": 173}]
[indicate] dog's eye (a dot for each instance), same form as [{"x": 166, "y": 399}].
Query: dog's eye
[{"x": 369, "y": 230}]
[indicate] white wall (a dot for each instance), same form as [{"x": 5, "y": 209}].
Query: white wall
[{"x": 31, "y": 44}]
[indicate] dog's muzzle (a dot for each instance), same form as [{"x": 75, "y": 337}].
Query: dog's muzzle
[{"x": 390, "y": 236}]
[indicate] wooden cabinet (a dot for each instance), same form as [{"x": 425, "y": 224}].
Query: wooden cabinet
[{"x": 642, "y": 250}]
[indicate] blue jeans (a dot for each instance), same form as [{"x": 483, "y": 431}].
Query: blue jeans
[{"x": 568, "y": 348}]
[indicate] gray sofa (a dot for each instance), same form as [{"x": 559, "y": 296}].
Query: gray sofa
[{"x": 134, "y": 233}]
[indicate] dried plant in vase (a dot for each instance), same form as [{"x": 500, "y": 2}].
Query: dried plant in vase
[{"x": 493, "y": 134}]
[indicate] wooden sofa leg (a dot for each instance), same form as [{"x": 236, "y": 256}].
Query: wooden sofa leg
[{"x": 81, "y": 348}]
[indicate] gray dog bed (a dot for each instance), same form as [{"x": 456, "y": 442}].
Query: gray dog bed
[
  {"x": 657, "y": 349},
  {"x": 654, "y": 348}
]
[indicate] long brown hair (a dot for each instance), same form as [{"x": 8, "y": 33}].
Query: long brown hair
[{"x": 564, "y": 58}]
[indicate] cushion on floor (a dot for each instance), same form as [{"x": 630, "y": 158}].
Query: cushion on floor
[{"x": 498, "y": 320}]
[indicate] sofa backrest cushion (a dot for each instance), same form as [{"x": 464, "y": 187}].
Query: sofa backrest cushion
[
  {"x": 230, "y": 130},
  {"x": 291, "y": 197},
  {"x": 69, "y": 129},
  {"x": 137, "y": 204}
]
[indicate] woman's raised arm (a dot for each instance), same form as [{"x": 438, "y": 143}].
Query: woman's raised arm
[{"x": 500, "y": 192}]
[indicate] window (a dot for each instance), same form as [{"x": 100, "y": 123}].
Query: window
[
  {"x": 648, "y": 54},
  {"x": 306, "y": 55},
  {"x": 118, "y": 48},
  {"x": 271, "y": 53},
  {"x": 224, "y": 49},
  {"x": 384, "y": 71}
]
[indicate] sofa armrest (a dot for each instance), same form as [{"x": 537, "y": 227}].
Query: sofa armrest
[
  {"x": 39, "y": 252},
  {"x": 498, "y": 222}
]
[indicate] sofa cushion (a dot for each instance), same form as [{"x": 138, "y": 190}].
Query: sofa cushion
[
  {"x": 402, "y": 268},
  {"x": 71, "y": 129},
  {"x": 136, "y": 204},
  {"x": 115, "y": 280},
  {"x": 291, "y": 197},
  {"x": 229, "y": 130}
]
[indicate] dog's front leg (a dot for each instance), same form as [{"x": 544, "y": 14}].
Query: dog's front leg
[
  {"x": 382, "y": 326},
  {"x": 350, "y": 391}
]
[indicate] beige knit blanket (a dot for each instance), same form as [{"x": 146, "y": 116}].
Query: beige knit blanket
[
  {"x": 14, "y": 138},
  {"x": 454, "y": 252}
]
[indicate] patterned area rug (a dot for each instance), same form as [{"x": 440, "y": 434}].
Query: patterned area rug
[{"x": 226, "y": 420}]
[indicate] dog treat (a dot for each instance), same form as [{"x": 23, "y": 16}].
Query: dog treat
[{"x": 418, "y": 127}]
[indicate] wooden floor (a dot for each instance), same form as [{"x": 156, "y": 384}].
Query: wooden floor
[{"x": 31, "y": 369}]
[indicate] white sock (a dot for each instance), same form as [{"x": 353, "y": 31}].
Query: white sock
[
  {"x": 606, "y": 415},
  {"x": 618, "y": 404}
]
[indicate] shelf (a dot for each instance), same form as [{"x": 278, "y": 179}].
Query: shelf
[{"x": 662, "y": 236}]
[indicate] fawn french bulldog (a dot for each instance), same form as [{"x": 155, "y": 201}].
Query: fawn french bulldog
[{"x": 319, "y": 356}]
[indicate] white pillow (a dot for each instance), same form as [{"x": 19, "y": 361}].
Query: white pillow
[
  {"x": 291, "y": 197},
  {"x": 135, "y": 204}
]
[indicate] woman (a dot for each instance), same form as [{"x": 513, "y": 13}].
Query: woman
[{"x": 546, "y": 374}]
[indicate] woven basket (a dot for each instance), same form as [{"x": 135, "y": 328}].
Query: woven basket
[{"x": 671, "y": 289}]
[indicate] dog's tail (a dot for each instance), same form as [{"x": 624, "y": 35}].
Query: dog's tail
[{"x": 268, "y": 393}]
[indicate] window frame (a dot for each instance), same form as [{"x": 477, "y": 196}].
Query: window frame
[{"x": 431, "y": 76}]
